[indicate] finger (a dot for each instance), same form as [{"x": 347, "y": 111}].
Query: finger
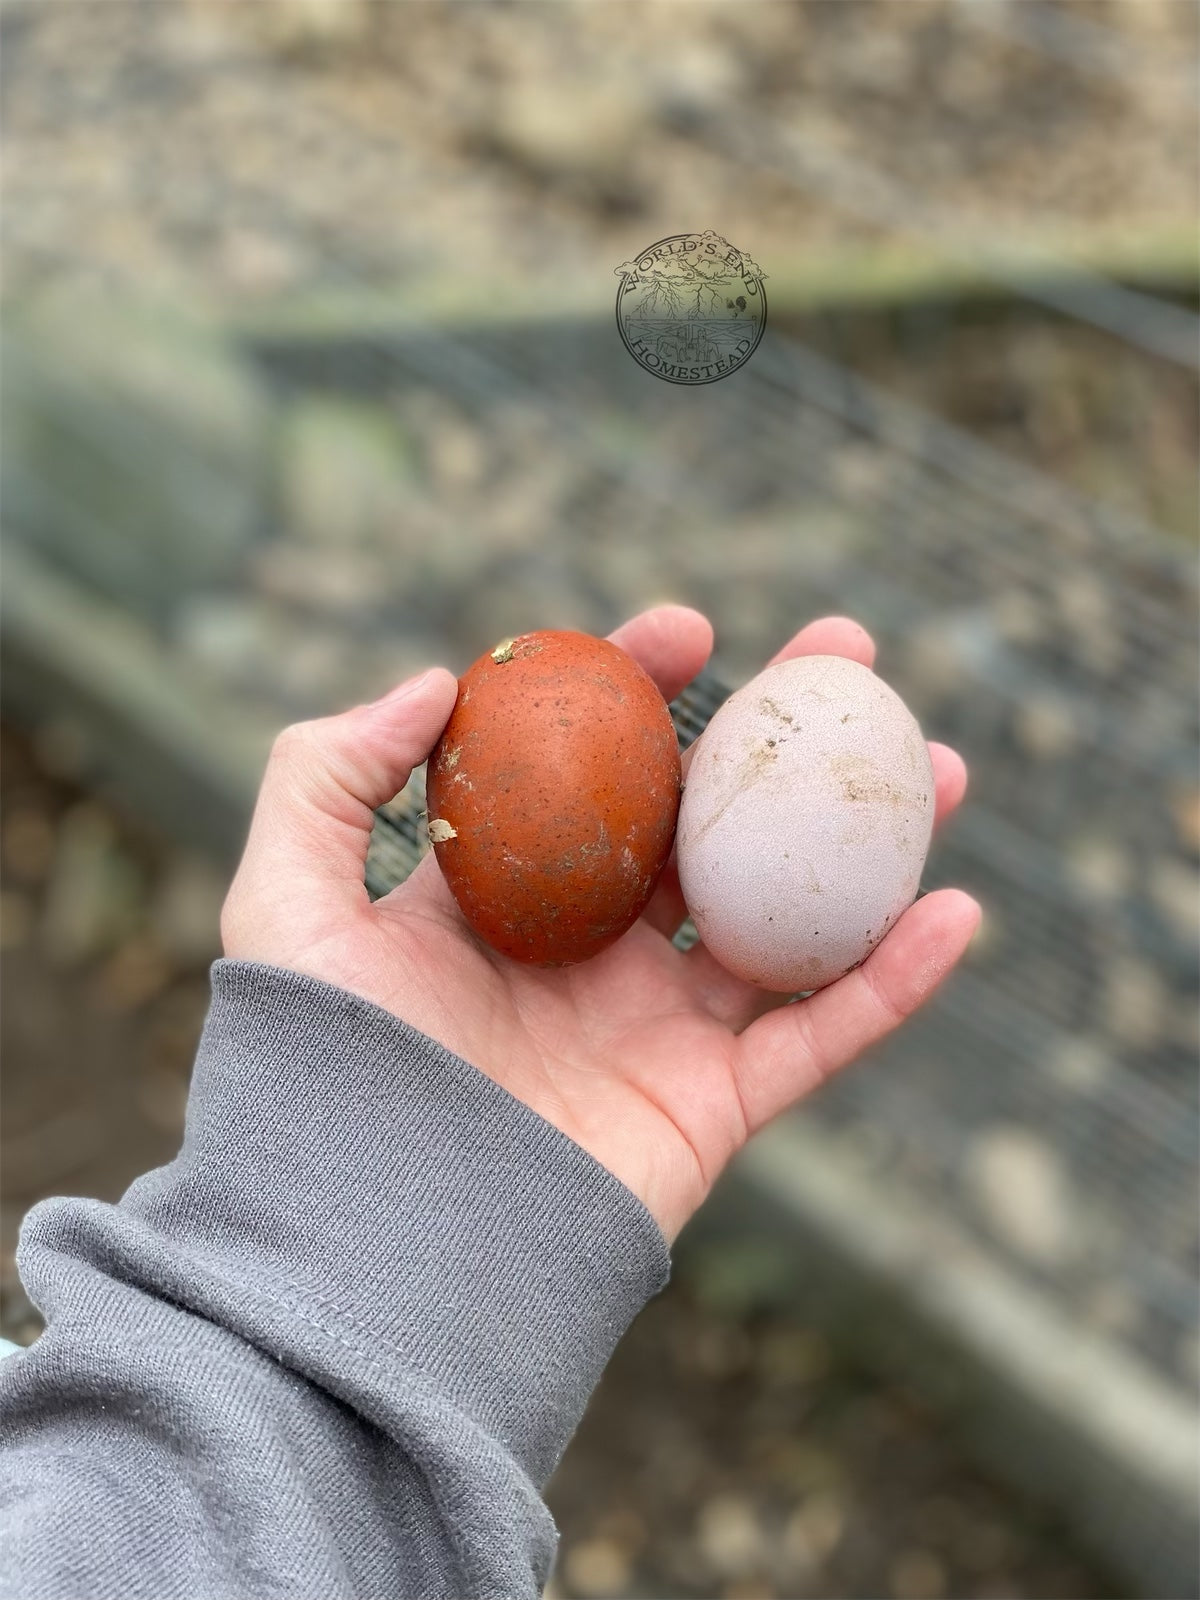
[
  {"x": 671, "y": 643},
  {"x": 828, "y": 636},
  {"x": 325, "y": 778},
  {"x": 949, "y": 781},
  {"x": 789, "y": 1052}
]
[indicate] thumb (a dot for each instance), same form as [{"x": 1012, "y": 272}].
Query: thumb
[{"x": 323, "y": 781}]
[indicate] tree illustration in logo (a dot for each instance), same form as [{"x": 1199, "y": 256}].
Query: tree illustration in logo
[
  {"x": 691, "y": 308},
  {"x": 664, "y": 291},
  {"x": 701, "y": 283}
]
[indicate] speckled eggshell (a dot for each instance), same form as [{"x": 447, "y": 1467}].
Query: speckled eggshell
[
  {"x": 553, "y": 794},
  {"x": 805, "y": 822}
]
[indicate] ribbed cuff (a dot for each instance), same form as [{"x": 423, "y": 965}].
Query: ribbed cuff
[{"x": 341, "y": 1163}]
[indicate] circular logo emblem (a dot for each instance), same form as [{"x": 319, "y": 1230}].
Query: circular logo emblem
[{"x": 691, "y": 308}]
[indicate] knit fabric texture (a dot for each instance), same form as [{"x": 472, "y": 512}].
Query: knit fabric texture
[{"x": 336, "y": 1347}]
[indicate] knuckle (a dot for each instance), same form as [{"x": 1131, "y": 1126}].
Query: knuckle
[
  {"x": 292, "y": 741},
  {"x": 891, "y": 1012}
]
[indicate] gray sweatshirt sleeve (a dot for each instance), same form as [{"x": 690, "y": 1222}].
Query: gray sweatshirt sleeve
[{"x": 336, "y": 1347}]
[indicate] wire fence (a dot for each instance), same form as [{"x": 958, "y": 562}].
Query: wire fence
[
  {"x": 1050, "y": 1097},
  {"x": 1073, "y": 1026}
]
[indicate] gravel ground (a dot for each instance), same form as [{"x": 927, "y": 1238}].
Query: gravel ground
[
  {"x": 243, "y": 158},
  {"x": 723, "y": 1455},
  {"x": 748, "y": 1458},
  {"x": 275, "y": 144}
]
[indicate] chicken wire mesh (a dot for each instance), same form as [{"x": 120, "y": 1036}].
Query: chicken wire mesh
[
  {"x": 1053, "y": 1090},
  {"x": 340, "y": 490}
]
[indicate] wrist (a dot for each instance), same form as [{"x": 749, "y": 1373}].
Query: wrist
[{"x": 344, "y": 1166}]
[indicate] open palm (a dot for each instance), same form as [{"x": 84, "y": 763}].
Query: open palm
[{"x": 658, "y": 1062}]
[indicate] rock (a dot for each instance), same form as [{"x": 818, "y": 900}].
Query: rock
[
  {"x": 814, "y": 1530},
  {"x": 134, "y": 448},
  {"x": 16, "y": 919},
  {"x": 186, "y": 909},
  {"x": 300, "y": 666},
  {"x": 1079, "y": 1064},
  {"x": 259, "y": 262},
  {"x": 162, "y": 1099},
  {"x": 1017, "y": 618},
  {"x": 868, "y": 1144},
  {"x": 787, "y": 1355},
  {"x": 346, "y": 583},
  {"x": 1020, "y": 1186},
  {"x": 917, "y": 1575},
  {"x": 233, "y": 637},
  {"x": 693, "y": 75},
  {"x": 197, "y": 37},
  {"x": 170, "y": 1032},
  {"x": 803, "y": 1470},
  {"x": 1099, "y": 866},
  {"x": 533, "y": 598},
  {"x": 730, "y": 1277},
  {"x": 1113, "y": 1308},
  {"x": 306, "y": 25},
  {"x": 1175, "y": 891},
  {"x": 28, "y": 845},
  {"x": 137, "y": 971},
  {"x": 730, "y": 1535},
  {"x": 625, "y": 1526},
  {"x": 933, "y": 661},
  {"x": 309, "y": 669},
  {"x": 860, "y": 471},
  {"x": 400, "y": 660},
  {"x": 94, "y": 892},
  {"x": 719, "y": 1349},
  {"x": 1185, "y": 808},
  {"x": 598, "y": 1567},
  {"x": 1045, "y": 727},
  {"x": 1185, "y": 1029},
  {"x": 1187, "y": 1357},
  {"x": 1085, "y": 606},
  {"x": 343, "y": 472},
  {"x": 1102, "y": 650},
  {"x": 751, "y": 1588},
  {"x": 683, "y": 1566},
  {"x": 1135, "y": 1002},
  {"x": 575, "y": 128},
  {"x": 456, "y": 455},
  {"x": 981, "y": 1542},
  {"x": 65, "y": 746},
  {"x": 522, "y": 511},
  {"x": 991, "y": 936}
]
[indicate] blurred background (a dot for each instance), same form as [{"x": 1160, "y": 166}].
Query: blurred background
[{"x": 311, "y": 377}]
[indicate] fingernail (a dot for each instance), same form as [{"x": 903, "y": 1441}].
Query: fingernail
[{"x": 402, "y": 691}]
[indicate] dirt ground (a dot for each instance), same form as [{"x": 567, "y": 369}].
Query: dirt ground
[{"x": 722, "y": 1455}]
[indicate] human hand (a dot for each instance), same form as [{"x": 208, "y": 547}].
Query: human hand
[{"x": 658, "y": 1062}]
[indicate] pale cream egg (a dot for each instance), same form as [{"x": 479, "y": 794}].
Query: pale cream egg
[{"x": 805, "y": 822}]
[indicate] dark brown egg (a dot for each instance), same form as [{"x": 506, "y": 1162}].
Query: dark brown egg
[{"x": 553, "y": 795}]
